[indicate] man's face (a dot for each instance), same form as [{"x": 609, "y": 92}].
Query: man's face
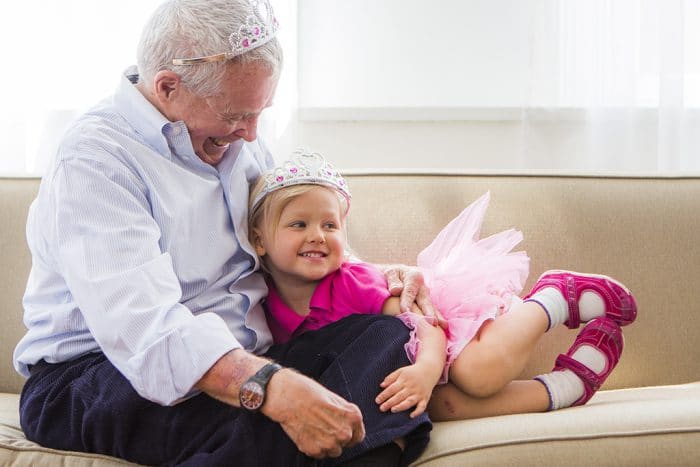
[{"x": 215, "y": 122}]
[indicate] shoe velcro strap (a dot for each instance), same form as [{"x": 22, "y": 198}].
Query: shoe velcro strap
[
  {"x": 571, "y": 297},
  {"x": 589, "y": 377}
]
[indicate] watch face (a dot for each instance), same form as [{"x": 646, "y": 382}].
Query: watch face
[{"x": 252, "y": 395}]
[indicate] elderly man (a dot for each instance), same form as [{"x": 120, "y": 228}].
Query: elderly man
[{"x": 146, "y": 334}]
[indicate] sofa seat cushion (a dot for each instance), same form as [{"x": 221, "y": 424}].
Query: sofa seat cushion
[
  {"x": 657, "y": 425},
  {"x": 15, "y": 449}
]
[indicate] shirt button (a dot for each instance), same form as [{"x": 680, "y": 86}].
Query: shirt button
[{"x": 176, "y": 130}]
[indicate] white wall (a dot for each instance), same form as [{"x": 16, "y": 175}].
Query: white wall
[
  {"x": 414, "y": 53},
  {"x": 446, "y": 84},
  {"x": 454, "y": 84},
  {"x": 559, "y": 145},
  {"x": 399, "y": 104}
]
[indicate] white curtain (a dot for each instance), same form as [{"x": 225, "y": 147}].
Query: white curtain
[
  {"x": 611, "y": 85},
  {"x": 623, "y": 76},
  {"x": 61, "y": 57},
  {"x": 565, "y": 85},
  {"x": 58, "y": 58}
]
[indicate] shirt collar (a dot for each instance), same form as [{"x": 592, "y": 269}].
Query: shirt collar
[
  {"x": 141, "y": 114},
  {"x": 284, "y": 316},
  {"x": 321, "y": 299},
  {"x": 320, "y": 305}
]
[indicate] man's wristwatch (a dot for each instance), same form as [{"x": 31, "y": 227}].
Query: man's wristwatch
[{"x": 252, "y": 392}]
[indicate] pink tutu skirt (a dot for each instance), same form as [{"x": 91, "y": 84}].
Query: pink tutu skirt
[{"x": 471, "y": 280}]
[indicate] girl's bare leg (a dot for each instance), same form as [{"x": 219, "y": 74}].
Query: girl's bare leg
[
  {"x": 450, "y": 403},
  {"x": 499, "y": 352}
]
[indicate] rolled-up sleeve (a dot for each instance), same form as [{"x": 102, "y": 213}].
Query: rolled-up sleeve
[{"x": 125, "y": 285}]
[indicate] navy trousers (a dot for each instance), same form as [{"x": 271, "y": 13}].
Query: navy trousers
[{"x": 87, "y": 405}]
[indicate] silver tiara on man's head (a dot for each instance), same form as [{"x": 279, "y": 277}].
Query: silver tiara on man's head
[
  {"x": 259, "y": 28},
  {"x": 303, "y": 168}
]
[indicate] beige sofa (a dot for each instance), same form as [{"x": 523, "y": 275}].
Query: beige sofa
[{"x": 644, "y": 231}]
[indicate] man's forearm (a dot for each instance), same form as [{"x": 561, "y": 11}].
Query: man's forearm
[
  {"x": 319, "y": 422},
  {"x": 224, "y": 379}
]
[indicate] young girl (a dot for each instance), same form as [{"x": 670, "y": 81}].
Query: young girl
[{"x": 297, "y": 225}]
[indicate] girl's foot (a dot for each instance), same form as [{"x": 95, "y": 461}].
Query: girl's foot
[
  {"x": 579, "y": 373},
  {"x": 572, "y": 298}
]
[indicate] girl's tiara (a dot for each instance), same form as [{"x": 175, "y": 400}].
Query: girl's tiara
[
  {"x": 303, "y": 168},
  {"x": 259, "y": 28}
]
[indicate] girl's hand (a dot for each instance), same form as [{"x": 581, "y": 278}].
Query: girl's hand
[{"x": 405, "y": 388}]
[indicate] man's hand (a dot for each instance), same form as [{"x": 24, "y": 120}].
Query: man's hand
[
  {"x": 318, "y": 421},
  {"x": 408, "y": 283}
]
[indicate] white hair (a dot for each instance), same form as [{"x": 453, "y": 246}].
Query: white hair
[{"x": 195, "y": 28}]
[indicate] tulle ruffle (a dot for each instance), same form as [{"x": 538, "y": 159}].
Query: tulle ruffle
[{"x": 471, "y": 280}]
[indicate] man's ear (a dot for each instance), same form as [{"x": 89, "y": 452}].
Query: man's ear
[
  {"x": 258, "y": 243},
  {"x": 167, "y": 85}
]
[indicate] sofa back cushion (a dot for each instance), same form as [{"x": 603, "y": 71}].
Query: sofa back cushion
[
  {"x": 16, "y": 194},
  {"x": 643, "y": 231}
]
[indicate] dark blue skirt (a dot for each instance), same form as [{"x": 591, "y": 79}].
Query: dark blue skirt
[{"x": 87, "y": 405}]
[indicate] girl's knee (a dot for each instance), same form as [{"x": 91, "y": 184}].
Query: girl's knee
[
  {"x": 480, "y": 374},
  {"x": 479, "y": 387}
]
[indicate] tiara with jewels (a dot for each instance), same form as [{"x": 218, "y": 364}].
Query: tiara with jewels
[
  {"x": 303, "y": 168},
  {"x": 259, "y": 28}
]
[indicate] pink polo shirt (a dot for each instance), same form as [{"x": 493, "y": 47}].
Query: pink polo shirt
[{"x": 355, "y": 288}]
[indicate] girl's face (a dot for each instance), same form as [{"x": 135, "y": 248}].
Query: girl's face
[{"x": 308, "y": 243}]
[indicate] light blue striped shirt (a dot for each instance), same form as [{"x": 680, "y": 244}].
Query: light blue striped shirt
[{"x": 139, "y": 249}]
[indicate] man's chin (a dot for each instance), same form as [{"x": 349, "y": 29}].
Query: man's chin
[{"x": 211, "y": 159}]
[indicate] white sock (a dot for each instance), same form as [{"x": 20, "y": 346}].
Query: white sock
[
  {"x": 590, "y": 305},
  {"x": 554, "y": 305},
  {"x": 565, "y": 387}
]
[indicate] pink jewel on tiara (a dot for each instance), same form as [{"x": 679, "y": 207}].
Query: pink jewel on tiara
[{"x": 259, "y": 28}]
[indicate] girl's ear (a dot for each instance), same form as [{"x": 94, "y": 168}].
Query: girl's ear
[{"x": 258, "y": 243}]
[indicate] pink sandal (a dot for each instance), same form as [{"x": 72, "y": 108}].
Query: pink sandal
[
  {"x": 620, "y": 305},
  {"x": 603, "y": 334}
]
